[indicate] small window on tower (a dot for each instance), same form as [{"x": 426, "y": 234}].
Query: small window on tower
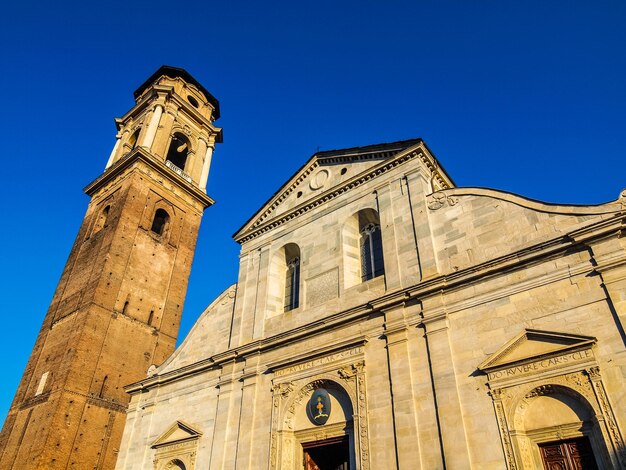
[
  {"x": 133, "y": 139},
  {"x": 178, "y": 151},
  {"x": 159, "y": 224},
  {"x": 102, "y": 220}
]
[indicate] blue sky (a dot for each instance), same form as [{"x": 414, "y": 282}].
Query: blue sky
[{"x": 526, "y": 97}]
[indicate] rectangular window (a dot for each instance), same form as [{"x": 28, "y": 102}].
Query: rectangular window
[{"x": 42, "y": 383}]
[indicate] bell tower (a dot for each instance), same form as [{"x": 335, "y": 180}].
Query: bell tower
[{"x": 117, "y": 307}]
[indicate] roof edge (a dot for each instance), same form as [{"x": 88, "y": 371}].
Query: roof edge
[{"x": 175, "y": 72}]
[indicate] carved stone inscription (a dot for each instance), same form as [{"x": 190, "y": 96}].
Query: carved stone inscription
[
  {"x": 550, "y": 363},
  {"x": 319, "y": 361},
  {"x": 322, "y": 288}
]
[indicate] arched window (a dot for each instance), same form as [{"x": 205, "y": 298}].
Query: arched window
[
  {"x": 371, "y": 252},
  {"x": 362, "y": 248},
  {"x": 159, "y": 224},
  {"x": 292, "y": 284},
  {"x": 132, "y": 142},
  {"x": 178, "y": 151},
  {"x": 175, "y": 465},
  {"x": 283, "y": 281},
  {"x": 102, "y": 220}
]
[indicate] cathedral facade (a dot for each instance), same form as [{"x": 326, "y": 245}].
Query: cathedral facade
[
  {"x": 382, "y": 318},
  {"x": 385, "y": 318}
]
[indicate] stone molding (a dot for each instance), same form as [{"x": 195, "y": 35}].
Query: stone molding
[
  {"x": 178, "y": 444},
  {"x": 450, "y": 197},
  {"x": 116, "y": 171},
  {"x": 434, "y": 287},
  {"x": 260, "y": 223}
]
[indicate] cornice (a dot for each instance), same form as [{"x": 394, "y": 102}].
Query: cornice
[
  {"x": 255, "y": 347},
  {"x": 139, "y": 154},
  {"x": 354, "y": 182},
  {"x": 311, "y": 354},
  {"x": 419, "y": 292},
  {"x": 438, "y": 199}
]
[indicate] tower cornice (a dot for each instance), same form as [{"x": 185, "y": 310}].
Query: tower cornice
[
  {"x": 141, "y": 155},
  {"x": 151, "y": 98}
]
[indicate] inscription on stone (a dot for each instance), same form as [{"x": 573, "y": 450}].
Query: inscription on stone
[
  {"x": 322, "y": 288},
  {"x": 544, "y": 364},
  {"x": 319, "y": 361}
]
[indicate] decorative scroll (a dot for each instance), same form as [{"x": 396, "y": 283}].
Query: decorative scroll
[{"x": 440, "y": 199}]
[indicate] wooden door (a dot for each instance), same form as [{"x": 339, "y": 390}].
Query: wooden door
[
  {"x": 309, "y": 463},
  {"x": 570, "y": 454},
  {"x": 329, "y": 454}
]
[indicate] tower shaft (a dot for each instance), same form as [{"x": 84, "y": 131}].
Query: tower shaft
[{"x": 117, "y": 307}]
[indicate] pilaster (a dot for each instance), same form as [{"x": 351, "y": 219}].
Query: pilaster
[
  {"x": 401, "y": 373},
  {"x": 379, "y": 406},
  {"x": 388, "y": 230},
  {"x": 452, "y": 428},
  {"x": 418, "y": 187}
]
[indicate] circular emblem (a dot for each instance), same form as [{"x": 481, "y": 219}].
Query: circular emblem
[
  {"x": 319, "y": 179},
  {"x": 319, "y": 406}
]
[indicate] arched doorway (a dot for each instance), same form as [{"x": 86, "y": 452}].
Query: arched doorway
[
  {"x": 316, "y": 430},
  {"x": 326, "y": 436},
  {"x": 556, "y": 428}
]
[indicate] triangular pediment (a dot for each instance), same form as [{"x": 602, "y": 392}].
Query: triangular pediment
[
  {"x": 534, "y": 344},
  {"x": 327, "y": 173},
  {"x": 177, "y": 432}
]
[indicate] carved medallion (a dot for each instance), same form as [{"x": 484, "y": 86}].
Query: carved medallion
[
  {"x": 319, "y": 179},
  {"x": 318, "y": 410}
]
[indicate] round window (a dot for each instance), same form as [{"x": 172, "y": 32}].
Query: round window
[{"x": 193, "y": 101}]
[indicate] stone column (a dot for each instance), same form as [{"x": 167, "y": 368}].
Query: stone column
[
  {"x": 153, "y": 126},
  {"x": 164, "y": 135},
  {"x": 204, "y": 176},
  {"x": 195, "y": 166},
  {"x": 113, "y": 152}
]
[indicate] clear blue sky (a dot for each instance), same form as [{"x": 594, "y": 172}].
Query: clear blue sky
[{"x": 528, "y": 97}]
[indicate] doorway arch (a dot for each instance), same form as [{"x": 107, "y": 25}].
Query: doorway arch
[
  {"x": 553, "y": 416},
  {"x": 294, "y": 432}
]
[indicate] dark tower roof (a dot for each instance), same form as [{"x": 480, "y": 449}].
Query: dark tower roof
[{"x": 174, "y": 72}]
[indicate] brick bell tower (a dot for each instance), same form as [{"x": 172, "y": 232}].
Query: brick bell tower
[{"x": 117, "y": 308}]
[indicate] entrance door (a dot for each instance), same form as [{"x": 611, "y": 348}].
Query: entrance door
[
  {"x": 330, "y": 454},
  {"x": 570, "y": 454}
]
